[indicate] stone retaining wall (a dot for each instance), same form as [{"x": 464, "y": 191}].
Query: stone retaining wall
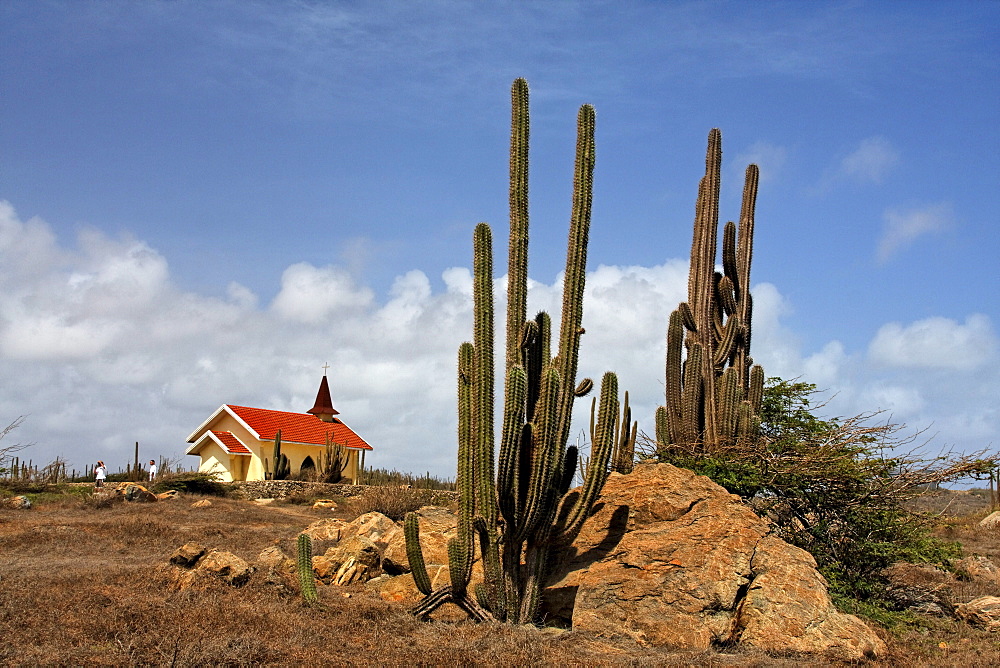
[{"x": 279, "y": 489}]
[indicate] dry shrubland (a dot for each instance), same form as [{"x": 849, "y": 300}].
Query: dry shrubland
[{"x": 87, "y": 585}]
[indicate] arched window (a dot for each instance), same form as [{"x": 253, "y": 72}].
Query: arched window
[{"x": 308, "y": 464}]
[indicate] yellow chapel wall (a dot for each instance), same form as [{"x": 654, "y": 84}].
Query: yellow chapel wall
[
  {"x": 244, "y": 470},
  {"x": 215, "y": 460}
]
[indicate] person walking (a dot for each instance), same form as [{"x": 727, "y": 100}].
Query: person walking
[
  {"x": 152, "y": 469},
  {"x": 100, "y": 473}
]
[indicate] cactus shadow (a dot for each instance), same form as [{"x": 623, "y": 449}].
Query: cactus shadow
[{"x": 560, "y": 597}]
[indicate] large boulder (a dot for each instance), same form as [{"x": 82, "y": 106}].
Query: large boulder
[
  {"x": 354, "y": 559},
  {"x": 437, "y": 526},
  {"x": 329, "y": 529},
  {"x": 672, "y": 559}
]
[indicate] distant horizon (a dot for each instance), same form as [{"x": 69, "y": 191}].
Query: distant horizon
[{"x": 204, "y": 204}]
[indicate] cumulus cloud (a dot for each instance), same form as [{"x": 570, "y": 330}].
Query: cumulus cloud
[
  {"x": 311, "y": 294},
  {"x": 100, "y": 349},
  {"x": 903, "y": 227},
  {"x": 871, "y": 161},
  {"x": 936, "y": 343}
]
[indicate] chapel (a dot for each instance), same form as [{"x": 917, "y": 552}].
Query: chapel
[{"x": 237, "y": 442}]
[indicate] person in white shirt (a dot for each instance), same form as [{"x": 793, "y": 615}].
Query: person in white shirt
[
  {"x": 152, "y": 469},
  {"x": 100, "y": 473}
]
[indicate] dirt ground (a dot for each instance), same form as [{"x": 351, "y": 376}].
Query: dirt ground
[{"x": 86, "y": 585}]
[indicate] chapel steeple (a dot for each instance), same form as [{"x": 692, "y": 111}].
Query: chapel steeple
[{"x": 324, "y": 409}]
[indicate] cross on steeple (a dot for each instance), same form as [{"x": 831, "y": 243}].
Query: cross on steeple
[{"x": 325, "y": 366}]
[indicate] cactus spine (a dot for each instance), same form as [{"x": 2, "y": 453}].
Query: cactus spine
[
  {"x": 304, "y": 565},
  {"x": 520, "y": 509},
  {"x": 714, "y": 394}
]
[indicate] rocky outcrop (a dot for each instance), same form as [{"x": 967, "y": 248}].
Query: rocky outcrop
[
  {"x": 670, "y": 558},
  {"x": 983, "y": 612},
  {"x": 354, "y": 559}
]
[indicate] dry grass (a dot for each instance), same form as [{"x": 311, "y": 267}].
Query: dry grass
[{"x": 85, "y": 585}]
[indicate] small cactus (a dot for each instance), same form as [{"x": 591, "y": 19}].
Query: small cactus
[{"x": 304, "y": 565}]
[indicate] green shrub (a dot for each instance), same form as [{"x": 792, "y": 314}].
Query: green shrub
[
  {"x": 191, "y": 482},
  {"x": 394, "y": 502},
  {"x": 834, "y": 487}
]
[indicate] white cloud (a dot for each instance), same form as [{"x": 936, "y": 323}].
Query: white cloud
[
  {"x": 936, "y": 343},
  {"x": 770, "y": 158},
  {"x": 125, "y": 356},
  {"x": 903, "y": 227},
  {"x": 311, "y": 295},
  {"x": 871, "y": 161}
]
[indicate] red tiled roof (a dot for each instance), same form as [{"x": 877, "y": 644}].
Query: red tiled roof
[
  {"x": 297, "y": 427},
  {"x": 232, "y": 443}
]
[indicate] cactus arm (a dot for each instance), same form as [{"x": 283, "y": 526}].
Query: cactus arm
[
  {"x": 414, "y": 554},
  {"x": 483, "y": 385},
  {"x": 574, "y": 281},
  {"x": 517, "y": 253}
]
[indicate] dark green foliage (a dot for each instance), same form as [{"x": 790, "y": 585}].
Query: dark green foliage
[
  {"x": 191, "y": 482},
  {"x": 833, "y": 487},
  {"x": 305, "y": 569}
]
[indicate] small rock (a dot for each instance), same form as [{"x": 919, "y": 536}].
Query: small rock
[
  {"x": 204, "y": 503},
  {"x": 263, "y": 502},
  {"x": 138, "y": 494},
  {"x": 226, "y": 566},
  {"x": 169, "y": 494},
  {"x": 17, "y": 502},
  {"x": 983, "y": 612},
  {"x": 325, "y": 503},
  {"x": 187, "y": 555},
  {"x": 979, "y": 569}
]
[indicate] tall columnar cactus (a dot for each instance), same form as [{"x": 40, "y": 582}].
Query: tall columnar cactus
[
  {"x": 714, "y": 394},
  {"x": 305, "y": 569},
  {"x": 281, "y": 467},
  {"x": 521, "y": 508},
  {"x": 333, "y": 462}
]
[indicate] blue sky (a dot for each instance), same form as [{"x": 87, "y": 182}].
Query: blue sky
[{"x": 204, "y": 202}]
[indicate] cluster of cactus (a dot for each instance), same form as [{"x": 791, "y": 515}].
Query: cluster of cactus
[
  {"x": 522, "y": 511},
  {"x": 305, "y": 569},
  {"x": 333, "y": 462},
  {"x": 714, "y": 394},
  {"x": 623, "y": 452},
  {"x": 282, "y": 469}
]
